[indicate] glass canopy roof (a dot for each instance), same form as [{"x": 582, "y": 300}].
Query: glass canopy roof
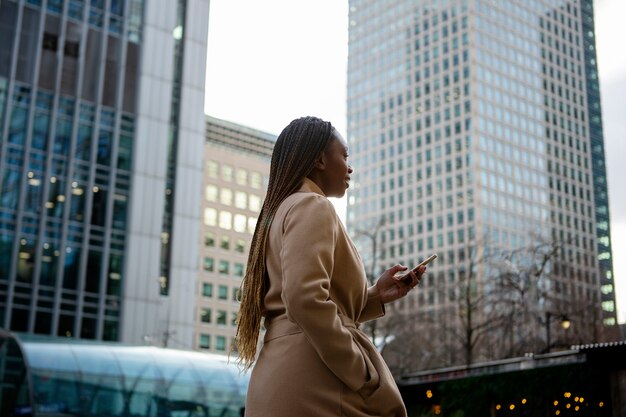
[{"x": 69, "y": 377}]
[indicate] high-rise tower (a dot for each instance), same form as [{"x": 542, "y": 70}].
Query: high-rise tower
[
  {"x": 475, "y": 132},
  {"x": 102, "y": 131}
]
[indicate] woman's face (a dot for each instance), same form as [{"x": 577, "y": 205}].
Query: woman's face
[{"x": 334, "y": 178}]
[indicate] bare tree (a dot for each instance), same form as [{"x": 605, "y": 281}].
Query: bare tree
[
  {"x": 372, "y": 237},
  {"x": 497, "y": 305}
]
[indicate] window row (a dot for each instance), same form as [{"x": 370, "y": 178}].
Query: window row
[
  {"x": 223, "y": 267},
  {"x": 229, "y": 221},
  {"x": 239, "y": 175},
  {"x": 222, "y": 292},
  {"x": 225, "y": 242},
  {"x": 205, "y": 342},
  {"x": 221, "y": 317},
  {"x": 228, "y": 197}
]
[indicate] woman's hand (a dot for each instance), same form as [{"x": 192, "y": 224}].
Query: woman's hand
[{"x": 392, "y": 287}]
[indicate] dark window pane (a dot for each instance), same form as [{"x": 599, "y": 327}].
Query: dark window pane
[
  {"x": 26, "y": 260},
  {"x": 4, "y": 83},
  {"x": 49, "y": 48},
  {"x": 111, "y": 67},
  {"x": 43, "y": 323},
  {"x": 130, "y": 77},
  {"x": 77, "y": 204},
  {"x": 92, "y": 279},
  {"x": 49, "y": 264},
  {"x": 56, "y": 198},
  {"x": 105, "y": 142},
  {"x": 34, "y": 193},
  {"x": 70, "y": 59},
  {"x": 10, "y": 189},
  {"x": 124, "y": 152},
  {"x": 91, "y": 65},
  {"x": 119, "y": 211},
  {"x": 98, "y": 208},
  {"x": 17, "y": 128},
  {"x": 64, "y": 125},
  {"x": 75, "y": 9},
  {"x": 6, "y": 248},
  {"x": 19, "y": 320},
  {"x": 28, "y": 45},
  {"x": 71, "y": 268},
  {"x": 88, "y": 328},
  {"x": 110, "y": 330},
  {"x": 55, "y": 6},
  {"x": 66, "y": 326},
  {"x": 8, "y": 17},
  {"x": 40, "y": 130},
  {"x": 63, "y": 135},
  {"x": 85, "y": 131},
  {"x": 114, "y": 278}
]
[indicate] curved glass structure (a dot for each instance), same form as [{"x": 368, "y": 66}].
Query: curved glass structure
[{"x": 67, "y": 377}]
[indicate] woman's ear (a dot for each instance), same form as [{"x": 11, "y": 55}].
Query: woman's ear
[{"x": 320, "y": 162}]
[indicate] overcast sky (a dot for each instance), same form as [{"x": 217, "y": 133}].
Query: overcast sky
[{"x": 271, "y": 61}]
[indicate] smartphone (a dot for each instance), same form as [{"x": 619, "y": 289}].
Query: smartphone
[{"x": 407, "y": 279}]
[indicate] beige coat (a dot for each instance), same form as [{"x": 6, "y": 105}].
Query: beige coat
[{"x": 315, "y": 361}]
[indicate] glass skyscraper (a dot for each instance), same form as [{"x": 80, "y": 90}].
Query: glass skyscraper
[
  {"x": 101, "y": 124},
  {"x": 475, "y": 131}
]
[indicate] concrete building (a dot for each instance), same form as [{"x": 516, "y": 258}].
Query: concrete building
[
  {"x": 475, "y": 131},
  {"x": 102, "y": 129},
  {"x": 237, "y": 161}
]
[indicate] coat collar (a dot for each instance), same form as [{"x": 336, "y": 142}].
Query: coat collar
[{"x": 308, "y": 186}]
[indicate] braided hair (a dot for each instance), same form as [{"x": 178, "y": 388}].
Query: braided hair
[{"x": 293, "y": 158}]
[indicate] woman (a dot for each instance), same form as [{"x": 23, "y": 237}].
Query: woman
[{"x": 305, "y": 278}]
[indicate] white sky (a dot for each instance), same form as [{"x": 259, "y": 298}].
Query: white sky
[{"x": 271, "y": 61}]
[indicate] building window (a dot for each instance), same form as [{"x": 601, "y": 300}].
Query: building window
[
  {"x": 240, "y": 200},
  {"x": 220, "y": 343},
  {"x": 236, "y": 294},
  {"x": 238, "y": 269},
  {"x": 227, "y": 173},
  {"x": 208, "y": 264},
  {"x": 207, "y": 289},
  {"x": 256, "y": 180},
  {"x": 226, "y": 220},
  {"x": 251, "y": 224},
  {"x": 209, "y": 240},
  {"x": 205, "y": 341},
  {"x": 205, "y": 315},
  {"x": 212, "y": 169},
  {"x": 221, "y": 317},
  {"x": 226, "y": 197},
  {"x": 240, "y": 246},
  {"x": 222, "y": 292},
  {"x": 211, "y": 193},
  {"x": 225, "y": 242},
  {"x": 241, "y": 177},
  {"x": 210, "y": 217},
  {"x": 255, "y": 203},
  {"x": 240, "y": 223},
  {"x": 223, "y": 267}
]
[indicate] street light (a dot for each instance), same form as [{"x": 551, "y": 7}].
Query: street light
[{"x": 565, "y": 324}]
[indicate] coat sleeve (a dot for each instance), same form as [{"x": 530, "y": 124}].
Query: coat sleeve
[
  {"x": 374, "y": 307},
  {"x": 307, "y": 260}
]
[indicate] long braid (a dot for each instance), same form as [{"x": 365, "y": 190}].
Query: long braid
[{"x": 293, "y": 157}]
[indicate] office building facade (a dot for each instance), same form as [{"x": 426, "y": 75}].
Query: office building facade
[
  {"x": 101, "y": 121},
  {"x": 475, "y": 131},
  {"x": 236, "y": 169}
]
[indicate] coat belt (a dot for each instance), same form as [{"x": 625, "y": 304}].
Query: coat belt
[{"x": 282, "y": 326}]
